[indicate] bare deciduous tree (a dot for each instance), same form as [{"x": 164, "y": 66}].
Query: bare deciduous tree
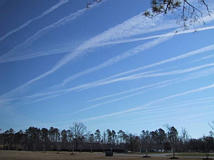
[{"x": 78, "y": 131}]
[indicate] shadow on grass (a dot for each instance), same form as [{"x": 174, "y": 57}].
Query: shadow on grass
[{"x": 173, "y": 158}]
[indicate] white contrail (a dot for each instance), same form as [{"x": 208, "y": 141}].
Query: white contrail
[
  {"x": 175, "y": 72},
  {"x": 162, "y": 84},
  {"x": 49, "y": 94},
  {"x": 87, "y": 45},
  {"x": 149, "y": 104},
  {"x": 81, "y": 50},
  {"x": 131, "y": 90},
  {"x": 166, "y": 83},
  {"x": 163, "y": 107},
  {"x": 139, "y": 25},
  {"x": 58, "y": 92},
  {"x": 156, "y": 85},
  {"x": 133, "y": 26},
  {"x": 131, "y": 52},
  {"x": 56, "y": 51},
  {"x": 46, "y": 29},
  {"x": 139, "y": 90},
  {"x": 180, "y": 57},
  {"x": 132, "y": 77},
  {"x": 143, "y": 47},
  {"x": 172, "y": 114},
  {"x": 61, "y": 62},
  {"x": 142, "y": 75},
  {"x": 136, "y": 25},
  {"x": 157, "y": 36},
  {"x": 61, "y": 2},
  {"x": 204, "y": 58},
  {"x": 44, "y": 98},
  {"x": 67, "y": 49}
]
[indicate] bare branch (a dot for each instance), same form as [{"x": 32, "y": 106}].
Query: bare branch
[{"x": 189, "y": 12}]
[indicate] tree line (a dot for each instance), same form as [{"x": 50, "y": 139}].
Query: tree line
[{"x": 77, "y": 138}]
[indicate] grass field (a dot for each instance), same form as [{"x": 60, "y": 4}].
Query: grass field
[
  {"x": 27, "y": 155},
  {"x": 194, "y": 154}
]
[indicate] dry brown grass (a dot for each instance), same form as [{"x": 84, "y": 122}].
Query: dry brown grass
[{"x": 27, "y": 155}]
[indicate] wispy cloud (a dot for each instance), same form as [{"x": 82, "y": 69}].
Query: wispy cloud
[
  {"x": 48, "y": 11},
  {"x": 149, "y": 104}
]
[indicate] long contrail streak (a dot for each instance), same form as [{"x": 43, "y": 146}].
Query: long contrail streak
[
  {"x": 61, "y": 2},
  {"x": 149, "y": 104}
]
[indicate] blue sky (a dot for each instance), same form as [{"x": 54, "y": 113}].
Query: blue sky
[{"x": 107, "y": 66}]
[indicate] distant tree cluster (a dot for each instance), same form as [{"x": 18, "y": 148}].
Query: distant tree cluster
[{"x": 77, "y": 138}]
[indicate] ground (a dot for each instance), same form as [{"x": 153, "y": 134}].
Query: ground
[{"x": 27, "y": 155}]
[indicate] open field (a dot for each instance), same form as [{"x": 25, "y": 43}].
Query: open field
[
  {"x": 27, "y": 155},
  {"x": 195, "y": 154}
]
